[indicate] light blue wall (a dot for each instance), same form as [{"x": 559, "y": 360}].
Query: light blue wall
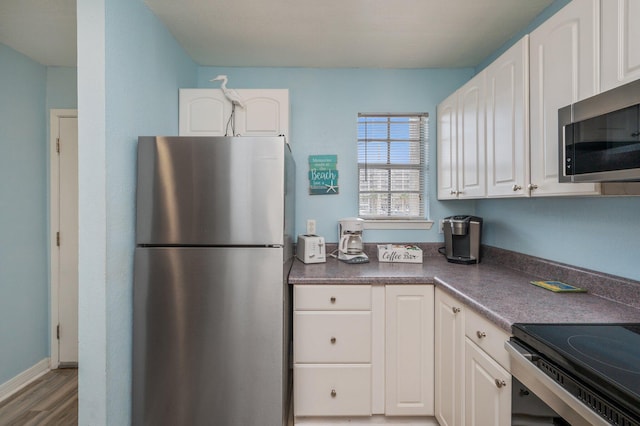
[
  {"x": 129, "y": 71},
  {"x": 24, "y": 307},
  {"x": 324, "y": 108},
  {"x": 62, "y": 88},
  {"x": 595, "y": 233}
]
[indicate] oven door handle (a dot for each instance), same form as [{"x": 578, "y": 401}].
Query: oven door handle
[{"x": 555, "y": 396}]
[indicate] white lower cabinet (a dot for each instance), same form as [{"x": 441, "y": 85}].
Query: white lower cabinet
[
  {"x": 332, "y": 390},
  {"x": 449, "y": 360},
  {"x": 409, "y": 350},
  {"x": 363, "y": 354},
  {"x": 472, "y": 379},
  {"x": 487, "y": 389}
]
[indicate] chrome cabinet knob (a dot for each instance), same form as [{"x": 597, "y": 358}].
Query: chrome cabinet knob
[
  {"x": 455, "y": 310},
  {"x": 481, "y": 334},
  {"x": 333, "y": 340},
  {"x": 500, "y": 383},
  {"x": 333, "y": 300},
  {"x": 516, "y": 188},
  {"x": 333, "y": 393},
  {"x": 532, "y": 186},
  {"x": 452, "y": 192}
]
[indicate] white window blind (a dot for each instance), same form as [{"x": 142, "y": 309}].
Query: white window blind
[{"x": 392, "y": 153}]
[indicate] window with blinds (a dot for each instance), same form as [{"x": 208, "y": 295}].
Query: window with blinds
[{"x": 392, "y": 153}]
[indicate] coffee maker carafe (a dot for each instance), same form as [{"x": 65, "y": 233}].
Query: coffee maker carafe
[
  {"x": 350, "y": 246},
  {"x": 462, "y": 239}
]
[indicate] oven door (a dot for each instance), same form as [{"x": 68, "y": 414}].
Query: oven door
[{"x": 552, "y": 394}]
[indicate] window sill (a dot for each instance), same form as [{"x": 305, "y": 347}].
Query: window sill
[{"x": 397, "y": 224}]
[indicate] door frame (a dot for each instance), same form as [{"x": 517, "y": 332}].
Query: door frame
[{"x": 54, "y": 209}]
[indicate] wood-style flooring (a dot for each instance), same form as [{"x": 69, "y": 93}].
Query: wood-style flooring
[{"x": 50, "y": 400}]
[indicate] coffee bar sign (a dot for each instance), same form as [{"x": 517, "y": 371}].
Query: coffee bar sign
[{"x": 323, "y": 174}]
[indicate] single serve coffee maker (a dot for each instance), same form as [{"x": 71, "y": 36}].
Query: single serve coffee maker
[
  {"x": 350, "y": 246},
  {"x": 462, "y": 239}
]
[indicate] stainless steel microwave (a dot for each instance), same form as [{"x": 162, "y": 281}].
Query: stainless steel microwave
[{"x": 600, "y": 137}]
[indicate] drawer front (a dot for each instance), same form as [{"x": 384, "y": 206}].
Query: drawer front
[
  {"x": 487, "y": 336},
  {"x": 332, "y": 297},
  {"x": 332, "y": 337},
  {"x": 332, "y": 390}
]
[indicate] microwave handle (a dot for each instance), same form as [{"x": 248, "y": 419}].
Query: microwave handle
[{"x": 564, "y": 124}]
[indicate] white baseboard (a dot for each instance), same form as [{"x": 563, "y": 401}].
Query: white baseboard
[
  {"x": 12, "y": 386},
  {"x": 375, "y": 420}
]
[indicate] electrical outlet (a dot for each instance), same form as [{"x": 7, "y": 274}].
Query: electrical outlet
[
  {"x": 441, "y": 229},
  {"x": 311, "y": 226}
]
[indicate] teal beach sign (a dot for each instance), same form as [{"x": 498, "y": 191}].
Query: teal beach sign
[{"x": 323, "y": 174}]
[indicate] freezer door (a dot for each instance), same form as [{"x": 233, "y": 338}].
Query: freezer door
[
  {"x": 211, "y": 190},
  {"x": 209, "y": 340}
]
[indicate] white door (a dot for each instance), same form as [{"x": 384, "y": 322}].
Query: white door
[{"x": 64, "y": 229}]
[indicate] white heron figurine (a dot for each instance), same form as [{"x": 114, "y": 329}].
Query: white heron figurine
[
  {"x": 235, "y": 99},
  {"x": 230, "y": 94}
]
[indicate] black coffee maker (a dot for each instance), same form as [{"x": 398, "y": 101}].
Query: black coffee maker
[{"x": 462, "y": 239}]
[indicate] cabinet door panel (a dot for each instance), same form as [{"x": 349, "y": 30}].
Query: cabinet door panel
[
  {"x": 266, "y": 112},
  {"x": 507, "y": 122},
  {"x": 409, "y": 352},
  {"x": 488, "y": 389},
  {"x": 447, "y": 148},
  {"x": 449, "y": 360},
  {"x": 563, "y": 69},
  {"x": 203, "y": 112},
  {"x": 471, "y": 138},
  {"x": 620, "y": 42}
]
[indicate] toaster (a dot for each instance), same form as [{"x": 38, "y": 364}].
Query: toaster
[{"x": 310, "y": 249}]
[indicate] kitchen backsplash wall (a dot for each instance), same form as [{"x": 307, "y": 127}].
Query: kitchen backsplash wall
[{"x": 600, "y": 233}]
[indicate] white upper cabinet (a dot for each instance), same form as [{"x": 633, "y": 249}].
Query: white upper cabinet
[
  {"x": 207, "y": 112},
  {"x": 447, "y": 150},
  {"x": 507, "y": 124},
  {"x": 620, "y": 35},
  {"x": 461, "y": 142},
  {"x": 564, "y": 64},
  {"x": 471, "y": 139}
]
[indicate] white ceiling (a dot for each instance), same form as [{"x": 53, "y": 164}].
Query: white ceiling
[
  {"x": 295, "y": 33},
  {"x": 44, "y": 30}
]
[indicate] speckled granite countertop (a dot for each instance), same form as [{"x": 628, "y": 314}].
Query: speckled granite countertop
[{"x": 501, "y": 294}]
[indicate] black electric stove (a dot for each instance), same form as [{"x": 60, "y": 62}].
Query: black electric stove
[{"x": 597, "y": 363}]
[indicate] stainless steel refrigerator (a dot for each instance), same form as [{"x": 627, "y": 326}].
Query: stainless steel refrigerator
[{"x": 211, "y": 323}]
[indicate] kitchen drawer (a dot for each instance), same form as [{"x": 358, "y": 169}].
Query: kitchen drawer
[
  {"x": 332, "y": 390},
  {"x": 332, "y": 298},
  {"x": 487, "y": 336},
  {"x": 332, "y": 337}
]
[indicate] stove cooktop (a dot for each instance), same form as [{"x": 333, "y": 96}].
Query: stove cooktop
[{"x": 605, "y": 356}]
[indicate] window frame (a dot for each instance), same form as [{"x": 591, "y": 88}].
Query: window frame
[{"x": 420, "y": 221}]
